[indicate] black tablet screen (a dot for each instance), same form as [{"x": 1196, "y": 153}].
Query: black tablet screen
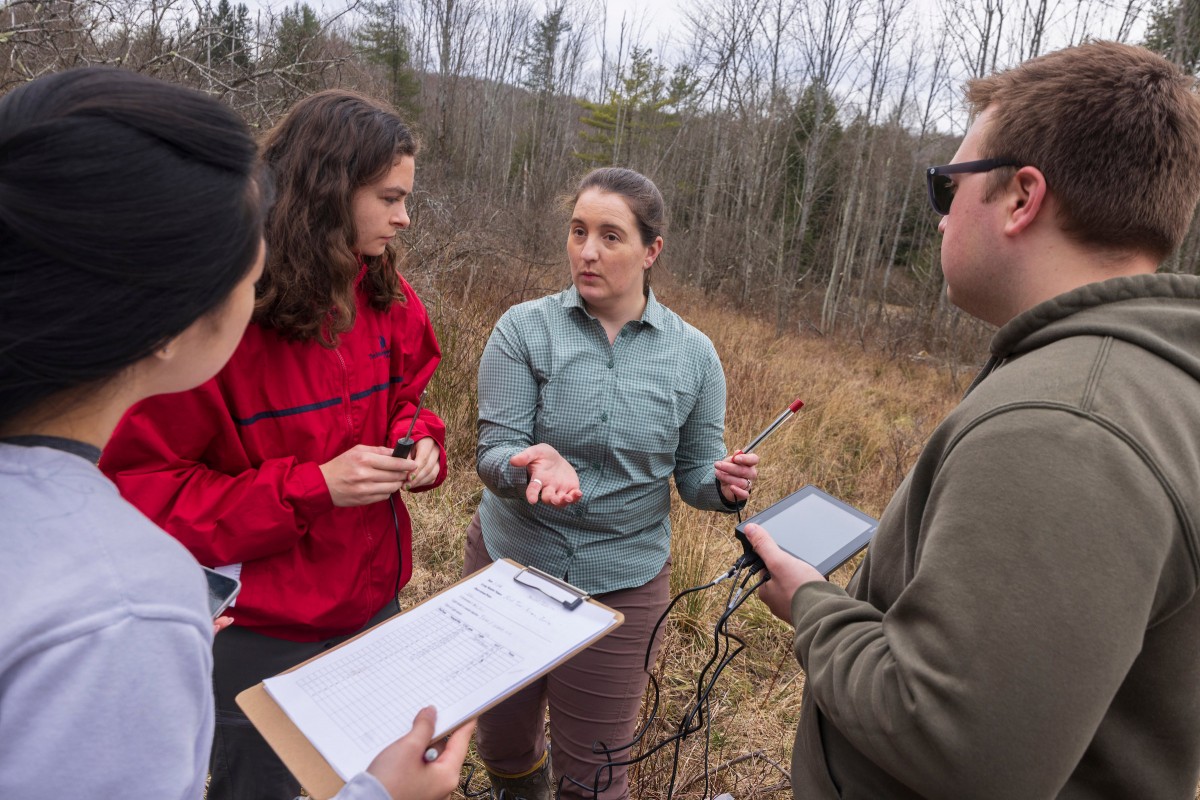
[{"x": 816, "y": 527}]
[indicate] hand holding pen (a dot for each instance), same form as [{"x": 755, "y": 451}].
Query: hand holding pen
[{"x": 737, "y": 473}]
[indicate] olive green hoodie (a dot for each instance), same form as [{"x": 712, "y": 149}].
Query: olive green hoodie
[{"x": 1026, "y": 622}]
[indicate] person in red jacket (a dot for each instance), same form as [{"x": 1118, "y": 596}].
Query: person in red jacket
[{"x": 279, "y": 470}]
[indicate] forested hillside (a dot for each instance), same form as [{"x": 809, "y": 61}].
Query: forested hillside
[{"x": 789, "y": 137}]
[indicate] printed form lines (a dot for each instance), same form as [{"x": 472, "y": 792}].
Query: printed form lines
[{"x": 466, "y": 657}]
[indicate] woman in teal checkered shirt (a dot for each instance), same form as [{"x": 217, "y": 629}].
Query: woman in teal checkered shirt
[{"x": 590, "y": 401}]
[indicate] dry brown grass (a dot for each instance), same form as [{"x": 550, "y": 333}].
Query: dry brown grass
[{"x": 864, "y": 420}]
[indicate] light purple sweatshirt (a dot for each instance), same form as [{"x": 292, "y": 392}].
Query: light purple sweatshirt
[{"x": 105, "y": 643}]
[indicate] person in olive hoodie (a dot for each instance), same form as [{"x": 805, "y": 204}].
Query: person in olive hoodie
[{"x": 1026, "y": 621}]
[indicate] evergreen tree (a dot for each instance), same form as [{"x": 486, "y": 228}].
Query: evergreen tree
[
  {"x": 384, "y": 40},
  {"x": 1174, "y": 31},
  {"x": 635, "y": 112},
  {"x": 228, "y": 34},
  {"x": 297, "y": 44},
  {"x": 813, "y": 146},
  {"x": 541, "y": 59},
  {"x": 298, "y": 30},
  {"x": 540, "y": 55}
]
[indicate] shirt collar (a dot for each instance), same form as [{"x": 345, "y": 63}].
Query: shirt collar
[{"x": 653, "y": 314}]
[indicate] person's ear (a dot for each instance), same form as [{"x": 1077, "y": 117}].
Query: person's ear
[
  {"x": 167, "y": 349},
  {"x": 652, "y": 252},
  {"x": 1025, "y": 198}
]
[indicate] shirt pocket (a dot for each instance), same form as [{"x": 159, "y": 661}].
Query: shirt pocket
[
  {"x": 654, "y": 414},
  {"x": 657, "y": 408},
  {"x": 565, "y": 412}
]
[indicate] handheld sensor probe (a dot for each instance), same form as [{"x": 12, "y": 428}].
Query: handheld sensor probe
[
  {"x": 795, "y": 406},
  {"x": 749, "y": 557},
  {"x": 404, "y": 446}
]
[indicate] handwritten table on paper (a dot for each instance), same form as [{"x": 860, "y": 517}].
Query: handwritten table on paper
[{"x": 459, "y": 651}]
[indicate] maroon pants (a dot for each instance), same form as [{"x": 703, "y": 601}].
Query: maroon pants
[{"x": 593, "y": 698}]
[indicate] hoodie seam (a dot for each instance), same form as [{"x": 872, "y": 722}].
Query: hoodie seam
[
  {"x": 1176, "y": 500},
  {"x": 1092, "y": 384}
]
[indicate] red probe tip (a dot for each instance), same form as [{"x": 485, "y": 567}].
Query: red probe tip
[{"x": 796, "y": 405}]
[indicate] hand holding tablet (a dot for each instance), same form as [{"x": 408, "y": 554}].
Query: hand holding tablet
[
  {"x": 803, "y": 538},
  {"x": 815, "y": 527}
]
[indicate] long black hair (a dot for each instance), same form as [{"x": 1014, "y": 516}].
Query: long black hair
[{"x": 129, "y": 208}]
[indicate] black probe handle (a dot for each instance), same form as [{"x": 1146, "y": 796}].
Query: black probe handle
[{"x": 403, "y": 447}]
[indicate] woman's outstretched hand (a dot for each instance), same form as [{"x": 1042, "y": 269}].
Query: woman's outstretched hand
[{"x": 552, "y": 479}]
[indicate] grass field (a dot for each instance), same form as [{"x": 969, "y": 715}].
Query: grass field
[{"x": 865, "y": 418}]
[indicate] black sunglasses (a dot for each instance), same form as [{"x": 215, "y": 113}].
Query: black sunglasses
[{"x": 941, "y": 188}]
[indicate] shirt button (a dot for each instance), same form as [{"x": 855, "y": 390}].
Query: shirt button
[
  {"x": 610, "y": 363},
  {"x": 595, "y": 466},
  {"x": 604, "y": 417}
]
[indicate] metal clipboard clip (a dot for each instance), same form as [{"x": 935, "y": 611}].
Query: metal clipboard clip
[{"x": 557, "y": 590}]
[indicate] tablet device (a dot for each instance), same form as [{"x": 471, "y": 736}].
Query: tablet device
[
  {"x": 222, "y": 590},
  {"x": 815, "y": 527}
]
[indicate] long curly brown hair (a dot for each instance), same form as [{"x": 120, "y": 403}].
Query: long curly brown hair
[{"x": 329, "y": 144}]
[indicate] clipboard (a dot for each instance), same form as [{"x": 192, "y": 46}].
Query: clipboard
[{"x": 318, "y": 776}]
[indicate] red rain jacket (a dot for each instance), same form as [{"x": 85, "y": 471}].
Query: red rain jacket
[{"x": 230, "y": 468}]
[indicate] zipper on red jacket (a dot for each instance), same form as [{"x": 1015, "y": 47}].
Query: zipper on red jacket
[
  {"x": 362, "y": 514},
  {"x": 345, "y": 394},
  {"x": 369, "y": 579}
]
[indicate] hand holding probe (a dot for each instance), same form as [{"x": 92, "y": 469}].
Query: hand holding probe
[
  {"x": 404, "y": 446},
  {"x": 749, "y": 557}
]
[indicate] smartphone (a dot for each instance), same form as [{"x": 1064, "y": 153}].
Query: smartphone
[
  {"x": 815, "y": 527},
  {"x": 222, "y": 590}
]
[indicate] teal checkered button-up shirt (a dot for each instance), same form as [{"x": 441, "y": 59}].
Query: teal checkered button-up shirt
[{"x": 626, "y": 416}]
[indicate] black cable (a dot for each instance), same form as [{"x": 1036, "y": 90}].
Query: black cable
[
  {"x": 600, "y": 747},
  {"x": 733, "y": 587},
  {"x": 707, "y": 740},
  {"x": 700, "y": 712},
  {"x": 703, "y": 704},
  {"x": 465, "y": 786},
  {"x": 399, "y": 554},
  {"x": 698, "y": 715}
]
